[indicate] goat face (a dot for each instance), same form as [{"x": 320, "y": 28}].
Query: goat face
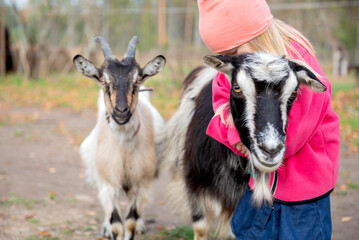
[
  {"x": 119, "y": 80},
  {"x": 263, "y": 89}
]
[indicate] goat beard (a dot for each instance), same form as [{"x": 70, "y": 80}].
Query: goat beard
[{"x": 261, "y": 193}]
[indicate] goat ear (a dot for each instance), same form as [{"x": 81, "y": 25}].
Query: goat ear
[
  {"x": 153, "y": 67},
  {"x": 86, "y": 67},
  {"x": 307, "y": 76},
  {"x": 221, "y": 63}
]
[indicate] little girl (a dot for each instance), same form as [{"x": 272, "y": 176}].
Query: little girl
[{"x": 301, "y": 208}]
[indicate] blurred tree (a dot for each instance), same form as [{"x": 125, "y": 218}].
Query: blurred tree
[
  {"x": 3, "y": 41},
  {"x": 346, "y": 28},
  {"x": 45, "y": 29},
  {"x": 355, "y": 64}
]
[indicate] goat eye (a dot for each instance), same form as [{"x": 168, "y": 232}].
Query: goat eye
[
  {"x": 237, "y": 89},
  {"x": 139, "y": 80}
]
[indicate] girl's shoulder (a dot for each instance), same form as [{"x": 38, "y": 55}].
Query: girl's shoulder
[{"x": 300, "y": 49}]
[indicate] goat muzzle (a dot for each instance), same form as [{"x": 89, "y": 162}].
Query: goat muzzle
[{"x": 121, "y": 116}]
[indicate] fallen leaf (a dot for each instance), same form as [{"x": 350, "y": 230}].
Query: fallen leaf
[
  {"x": 343, "y": 187},
  {"x": 160, "y": 227},
  {"x": 28, "y": 216},
  {"x": 52, "y": 195},
  {"x": 4, "y": 199},
  {"x": 160, "y": 202},
  {"x": 91, "y": 213},
  {"x": 52, "y": 170},
  {"x": 69, "y": 194},
  {"x": 45, "y": 234},
  {"x": 346, "y": 219}
]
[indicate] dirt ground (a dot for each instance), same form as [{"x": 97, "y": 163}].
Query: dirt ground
[{"x": 43, "y": 191}]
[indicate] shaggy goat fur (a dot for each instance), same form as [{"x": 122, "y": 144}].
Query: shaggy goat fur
[{"x": 210, "y": 175}]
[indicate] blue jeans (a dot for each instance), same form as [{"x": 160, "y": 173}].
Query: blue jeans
[{"x": 309, "y": 221}]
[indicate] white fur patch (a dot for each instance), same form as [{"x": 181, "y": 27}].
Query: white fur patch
[
  {"x": 174, "y": 134},
  {"x": 200, "y": 229},
  {"x": 270, "y": 137},
  {"x": 266, "y": 67},
  {"x": 261, "y": 192},
  {"x": 287, "y": 90},
  {"x": 249, "y": 91},
  {"x": 135, "y": 76},
  {"x": 107, "y": 77}
]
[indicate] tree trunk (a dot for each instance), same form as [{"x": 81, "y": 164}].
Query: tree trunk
[
  {"x": 356, "y": 57},
  {"x": 23, "y": 42},
  {"x": 162, "y": 38},
  {"x": 2, "y": 43},
  {"x": 189, "y": 23}
]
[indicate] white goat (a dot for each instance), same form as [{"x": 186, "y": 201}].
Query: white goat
[{"x": 120, "y": 153}]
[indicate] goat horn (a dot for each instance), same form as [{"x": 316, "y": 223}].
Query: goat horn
[
  {"x": 131, "y": 49},
  {"x": 107, "y": 52}
]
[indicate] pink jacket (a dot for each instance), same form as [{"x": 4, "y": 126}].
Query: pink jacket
[{"x": 311, "y": 162}]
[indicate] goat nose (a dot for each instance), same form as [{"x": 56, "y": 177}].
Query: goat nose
[
  {"x": 270, "y": 151},
  {"x": 122, "y": 110}
]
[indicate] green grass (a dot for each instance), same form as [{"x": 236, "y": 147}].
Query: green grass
[
  {"x": 70, "y": 91},
  {"x": 184, "y": 232},
  {"x": 67, "y": 231},
  {"x": 78, "y": 93},
  {"x": 342, "y": 86},
  {"x": 345, "y": 102},
  {"x": 26, "y": 202},
  {"x": 352, "y": 121},
  {"x": 41, "y": 238},
  {"x": 32, "y": 220},
  {"x": 353, "y": 185},
  {"x": 180, "y": 232}
]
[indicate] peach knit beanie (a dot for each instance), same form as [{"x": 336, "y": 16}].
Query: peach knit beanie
[{"x": 226, "y": 24}]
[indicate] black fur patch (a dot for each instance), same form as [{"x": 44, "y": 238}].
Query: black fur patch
[
  {"x": 133, "y": 213},
  {"x": 208, "y": 164},
  {"x": 115, "y": 217},
  {"x": 126, "y": 187}
]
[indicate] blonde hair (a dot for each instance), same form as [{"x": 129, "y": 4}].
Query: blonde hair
[{"x": 277, "y": 40}]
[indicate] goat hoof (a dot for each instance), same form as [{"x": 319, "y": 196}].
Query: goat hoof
[
  {"x": 140, "y": 227},
  {"x": 116, "y": 231},
  {"x": 104, "y": 232}
]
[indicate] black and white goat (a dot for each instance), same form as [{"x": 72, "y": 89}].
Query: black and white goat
[
  {"x": 210, "y": 175},
  {"x": 120, "y": 153}
]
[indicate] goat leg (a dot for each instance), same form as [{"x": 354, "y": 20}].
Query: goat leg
[
  {"x": 112, "y": 226},
  {"x": 199, "y": 221}
]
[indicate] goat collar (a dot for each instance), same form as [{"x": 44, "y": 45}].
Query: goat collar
[{"x": 137, "y": 130}]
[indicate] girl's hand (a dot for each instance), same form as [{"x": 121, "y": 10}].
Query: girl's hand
[{"x": 240, "y": 147}]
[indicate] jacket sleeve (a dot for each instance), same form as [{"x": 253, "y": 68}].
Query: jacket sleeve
[{"x": 219, "y": 128}]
